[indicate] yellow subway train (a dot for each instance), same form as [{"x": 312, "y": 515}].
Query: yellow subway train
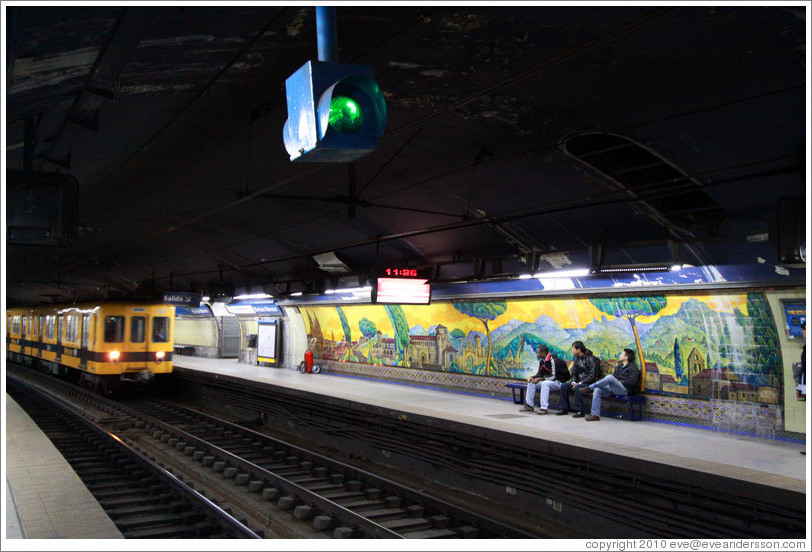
[{"x": 103, "y": 346}]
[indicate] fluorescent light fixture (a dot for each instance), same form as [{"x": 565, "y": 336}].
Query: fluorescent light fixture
[
  {"x": 573, "y": 273},
  {"x": 354, "y": 290},
  {"x": 348, "y": 290},
  {"x": 296, "y": 294},
  {"x": 254, "y": 296},
  {"x": 626, "y": 269},
  {"x": 525, "y": 276},
  {"x": 205, "y": 298}
]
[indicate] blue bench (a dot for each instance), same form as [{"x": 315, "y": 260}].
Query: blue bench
[
  {"x": 519, "y": 389},
  {"x": 635, "y": 402}
]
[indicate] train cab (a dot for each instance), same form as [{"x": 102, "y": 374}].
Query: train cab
[{"x": 101, "y": 345}]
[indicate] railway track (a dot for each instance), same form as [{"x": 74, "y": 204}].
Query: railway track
[
  {"x": 142, "y": 499},
  {"x": 602, "y": 490},
  {"x": 266, "y": 479}
]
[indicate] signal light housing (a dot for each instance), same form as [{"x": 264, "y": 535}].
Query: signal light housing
[{"x": 336, "y": 112}]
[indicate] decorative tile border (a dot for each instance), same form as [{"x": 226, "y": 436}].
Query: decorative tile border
[{"x": 459, "y": 382}]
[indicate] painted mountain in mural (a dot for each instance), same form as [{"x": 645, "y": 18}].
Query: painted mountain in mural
[
  {"x": 659, "y": 342},
  {"x": 552, "y": 331},
  {"x": 524, "y": 334},
  {"x": 606, "y": 339}
]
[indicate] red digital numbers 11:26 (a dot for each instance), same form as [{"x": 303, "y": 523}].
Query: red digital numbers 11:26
[{"x": 402, "y": 272}]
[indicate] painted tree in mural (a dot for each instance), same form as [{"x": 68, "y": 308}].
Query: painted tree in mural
[
  {"x": 483, "y": 311},
  {"x": 347, "y": 333},
  {"x": 766, "y": 354},
  {"x": 677, "y": 361},
  {"x": 367, "y": 327},
  {"x": 368, "y": 330},
  {"x": 630, "y": 308},
  {"x": 401, "y": 328}
]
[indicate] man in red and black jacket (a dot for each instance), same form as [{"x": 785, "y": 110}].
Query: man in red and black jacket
[{"x": 552, "y": 372}]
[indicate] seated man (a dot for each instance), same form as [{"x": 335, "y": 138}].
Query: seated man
[
  {"x": 560, "y": 376},
  {"x": 534, "y": 382},
  {"x": 623, "y": 382},
  {"x": 586, "y": 370}
]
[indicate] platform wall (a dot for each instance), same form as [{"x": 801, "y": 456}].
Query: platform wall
[{"x": 720, "y": 358}]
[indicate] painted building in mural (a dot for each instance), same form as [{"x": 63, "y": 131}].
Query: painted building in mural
[{"x": 714, "y": 346}]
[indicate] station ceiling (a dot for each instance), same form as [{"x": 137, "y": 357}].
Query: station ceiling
[{"x": 519, "y": 138}]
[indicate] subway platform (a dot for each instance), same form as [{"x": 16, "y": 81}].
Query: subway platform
[
  {"x": 44, "y": 496},
  {"x": 771, "y": 462}
]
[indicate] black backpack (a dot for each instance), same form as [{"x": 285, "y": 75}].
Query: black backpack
[{"x": 560, "y": 368}]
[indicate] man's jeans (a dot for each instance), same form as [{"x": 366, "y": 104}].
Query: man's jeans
[{"x": 609, "y": 385}]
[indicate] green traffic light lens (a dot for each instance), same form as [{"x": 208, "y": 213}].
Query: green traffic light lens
[{"x": 346, "y": 115}]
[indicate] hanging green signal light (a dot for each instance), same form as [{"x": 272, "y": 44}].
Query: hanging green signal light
[
  {"x": 336, "y": 113},
  {"x": 346, "y": 116}
]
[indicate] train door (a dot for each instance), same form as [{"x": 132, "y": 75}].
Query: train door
[
  {"x": 40, "y": 333},
  {"x": 23, "y": 334},
  {"x": 59, "y": 338},
  {"x": 84, "y": 350},
  {"x": 138, "y": 336}
]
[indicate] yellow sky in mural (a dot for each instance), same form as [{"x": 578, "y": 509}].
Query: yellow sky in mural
[{"x": 567, "y": 312}]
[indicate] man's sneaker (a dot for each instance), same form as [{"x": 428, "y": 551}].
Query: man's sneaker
[
  {"x": 543, "y": 412},
  {"x": 562, "y": 413},
  {"x": 578, "y": 415},
  {"x": 526, "y": 408},
  {"x": 592, "y": 418}
]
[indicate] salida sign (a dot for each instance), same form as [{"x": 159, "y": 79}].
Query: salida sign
[{"x": 182, "y": 298}]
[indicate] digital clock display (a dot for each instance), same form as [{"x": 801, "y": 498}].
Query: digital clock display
[{"x": 400, "y": 272}]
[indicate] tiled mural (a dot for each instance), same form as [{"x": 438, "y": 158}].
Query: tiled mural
[{"x": 714, "y": 346}]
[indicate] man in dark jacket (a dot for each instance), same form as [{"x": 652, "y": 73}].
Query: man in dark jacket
[
  {"x": 623, "y": 382},
  {"x": 586, "y": 369}
]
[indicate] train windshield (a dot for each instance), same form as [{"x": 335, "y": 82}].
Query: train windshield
[
  {"x": 114, "y": 329},
  {"x": 160, "y": 329}
]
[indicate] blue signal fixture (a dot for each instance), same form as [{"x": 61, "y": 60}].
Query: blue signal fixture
[{"x": 336, "y": 111}]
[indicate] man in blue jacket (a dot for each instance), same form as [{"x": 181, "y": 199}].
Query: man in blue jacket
[
  {"x": 586, "y": 370},
  {"x": 623, "y": 382}
]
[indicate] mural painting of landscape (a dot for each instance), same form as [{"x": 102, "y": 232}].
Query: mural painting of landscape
[{"x": 722, "y": 346}]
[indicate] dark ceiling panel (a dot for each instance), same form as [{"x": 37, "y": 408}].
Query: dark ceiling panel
[{"x": 170, "y": 118}]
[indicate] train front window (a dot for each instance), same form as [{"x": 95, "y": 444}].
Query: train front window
[
  {"x": 138, "y": 329},
  {"x": 160, "y": 329},
  {"x": 114, "y": 329}
]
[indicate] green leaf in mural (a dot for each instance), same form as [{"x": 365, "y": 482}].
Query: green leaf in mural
[{"x": 483, "y": 311}]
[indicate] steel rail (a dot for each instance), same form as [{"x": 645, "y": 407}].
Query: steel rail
[
  {"x": 465, "y": 514},
  {"x": 224, "y": 518}
]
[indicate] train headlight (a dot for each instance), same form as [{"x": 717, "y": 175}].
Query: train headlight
[
  {"x": 114, "y": 356},
  {"x": 159, "y": 356}
]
